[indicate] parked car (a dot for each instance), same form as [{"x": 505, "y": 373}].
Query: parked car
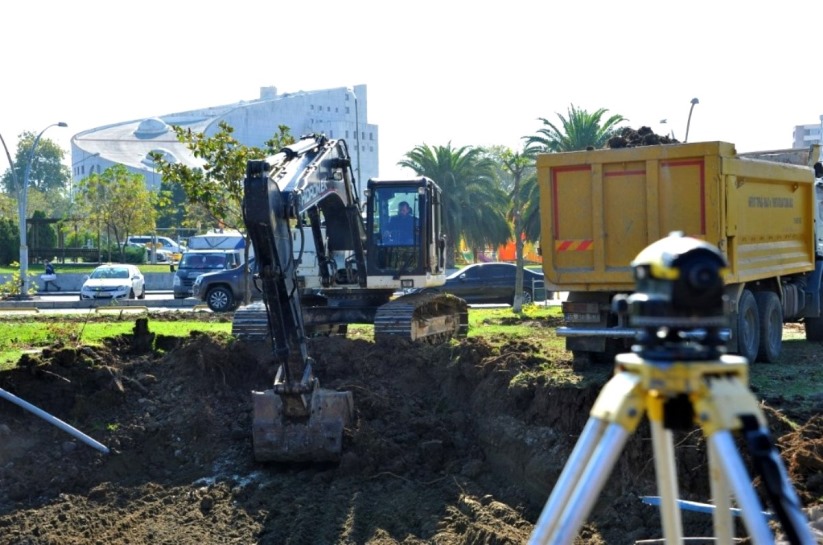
[
  {"x": 114, "y": 281},
  {"x": 222, "y": 291},
  {"x": 164, "y": 243},
  {"x": 493, "y": 283},
  {"x": 163, "y": 256},
  {"x": 197, "y": 262}
]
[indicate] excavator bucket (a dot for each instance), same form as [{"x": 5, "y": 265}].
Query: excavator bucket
[{"x": 317, "y": 438}]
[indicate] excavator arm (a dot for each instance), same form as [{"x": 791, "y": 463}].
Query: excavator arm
[{"x": 295, "y": 420}]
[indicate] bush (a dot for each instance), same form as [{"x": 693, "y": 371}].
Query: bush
[{"x": 9, "y": 242}]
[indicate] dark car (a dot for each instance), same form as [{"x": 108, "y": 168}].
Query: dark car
[
  {"x": 493, "y": 283},
  {"x": 222, "y": 291}
]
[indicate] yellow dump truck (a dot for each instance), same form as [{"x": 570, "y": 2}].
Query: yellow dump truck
[{"x": 600, "y": 208}]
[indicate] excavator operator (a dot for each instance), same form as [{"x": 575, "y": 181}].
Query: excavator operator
[{"x": 400, "y": 228}]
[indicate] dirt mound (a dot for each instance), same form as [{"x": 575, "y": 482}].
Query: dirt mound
[
  {"x": 447, "y": 448},
  {"x": 627, "y": 137}
]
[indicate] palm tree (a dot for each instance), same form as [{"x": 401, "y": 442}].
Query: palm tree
[
  {"x": 580, "y": 130},
  {"x": 474, "y": 206}
]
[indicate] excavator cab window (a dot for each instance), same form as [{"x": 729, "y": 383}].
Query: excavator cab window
[{"x": 396, "y": 227}]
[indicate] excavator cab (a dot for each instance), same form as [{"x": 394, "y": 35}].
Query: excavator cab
[{"x": 404, "y": 240}]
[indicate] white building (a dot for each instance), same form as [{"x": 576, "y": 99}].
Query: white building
[
  {"x": 806, "y": 135},
  {"x": 339, "y": 113}
]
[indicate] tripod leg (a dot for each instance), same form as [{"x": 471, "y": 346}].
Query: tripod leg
[
  {"x": 591, "y": 483},
  {"x": 723, "y": 528},
  {"x": 568, "y": 479},
  {"x": 776, "y": 481},
  {"x": 666, "y": 475},
  {"x": 615, "y": 414},
  {"x": 740, "y": 483}
]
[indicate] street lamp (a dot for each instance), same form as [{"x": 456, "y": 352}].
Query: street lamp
[
  {"x": 357, "y": 138},
  {"x": 11, "y": 163},
  {"x": 689, "y": 122},
  {"x": 22, "y": 201}
]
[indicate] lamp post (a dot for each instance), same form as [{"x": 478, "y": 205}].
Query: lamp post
[
  {"x": 22, "y": 201},
  {"x": 689, "y": 122},
  {"x": 357, "y": 138},
  {"x": 11, "y": 163}
]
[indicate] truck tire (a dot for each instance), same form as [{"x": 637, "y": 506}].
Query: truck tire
[
  {"x": 814, "y": 328},
  {"x": 748, "y": 326},
  {"x": 220, "y": 299},
  {"x": 770, "y": 314}
]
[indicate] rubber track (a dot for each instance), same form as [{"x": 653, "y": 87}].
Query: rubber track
[
  {"x": 396, "y": 318},
  {"x": 400, "y": 317}
]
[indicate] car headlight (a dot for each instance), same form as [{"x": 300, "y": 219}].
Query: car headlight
[{"x": 176, "y": 281}]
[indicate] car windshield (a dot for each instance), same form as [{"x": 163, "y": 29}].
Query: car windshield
[
  {"x": 109, "y": 272},
  {"x": 203, "y": 261}
]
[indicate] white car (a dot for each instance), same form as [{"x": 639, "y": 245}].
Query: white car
[{"x": 114, "y": 281}]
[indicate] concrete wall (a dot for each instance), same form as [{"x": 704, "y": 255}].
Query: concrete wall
[{"x": 73, "y": 282}]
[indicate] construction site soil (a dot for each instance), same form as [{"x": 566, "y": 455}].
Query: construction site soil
[{"x": 446, "y": 448}]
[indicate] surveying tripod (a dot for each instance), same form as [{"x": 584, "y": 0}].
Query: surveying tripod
[
  {"x": 678, "y": 376},
  {"x": 721, "y": 402}
]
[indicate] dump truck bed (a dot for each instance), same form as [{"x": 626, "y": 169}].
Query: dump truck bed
[{"x": 600, "y": 208}]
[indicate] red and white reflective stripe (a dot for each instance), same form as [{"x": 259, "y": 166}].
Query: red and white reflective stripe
[{"x": 573, "y": 245}]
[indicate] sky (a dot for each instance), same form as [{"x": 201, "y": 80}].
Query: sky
[{"x": 464, "y": 73}]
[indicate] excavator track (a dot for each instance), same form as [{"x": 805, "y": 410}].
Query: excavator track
[
  {"x": 251, "y": 324},
  {"x": 428, "y": 317}
]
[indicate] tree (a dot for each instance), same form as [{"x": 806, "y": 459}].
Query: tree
[
  {"x": 518, "y": 166},
  {"x": 48, "y": 173},
  {"x": 474, "y": 205},
  {"x": 118, "y": 201},
  {"x": 217, "y": 186},
  {"x": 580, "y": 130},
  {"x": 9, "y": 241}
]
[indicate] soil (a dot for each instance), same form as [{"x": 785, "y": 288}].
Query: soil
[
  {"x": 627, "y": 137},
  {"x": 446, "y": 448}
]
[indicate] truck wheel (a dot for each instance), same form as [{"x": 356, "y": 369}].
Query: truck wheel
[
  {"x": 814, "y": 328},
  {"x": 220, "y": 299},
  {"x": 770, "y": 313},
  {"x": 748, "y": 326}
]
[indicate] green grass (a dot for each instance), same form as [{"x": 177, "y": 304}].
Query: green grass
[
  {"x": 24, "y": 335},
  {"x": 80, "y": 268}
]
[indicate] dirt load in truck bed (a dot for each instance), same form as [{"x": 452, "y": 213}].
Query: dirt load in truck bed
[{"x": 446, "y": 449}]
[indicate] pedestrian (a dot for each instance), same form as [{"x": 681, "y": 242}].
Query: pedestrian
[{"x": 49, "y": 277}]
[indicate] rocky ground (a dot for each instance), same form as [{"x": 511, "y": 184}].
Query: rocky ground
[{"x": 445, "y": 449}]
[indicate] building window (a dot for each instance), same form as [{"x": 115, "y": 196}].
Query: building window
[
  {"x": 347, "y": 110},
  {"x": 347, "y": 134},
  {"x": 328, "y": 108},
  {"x": 371, "y": 136},
  {"x": 312, "y": 106}
]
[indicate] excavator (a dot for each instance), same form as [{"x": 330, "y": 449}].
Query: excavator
[{"x": 365, "y": 272}]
